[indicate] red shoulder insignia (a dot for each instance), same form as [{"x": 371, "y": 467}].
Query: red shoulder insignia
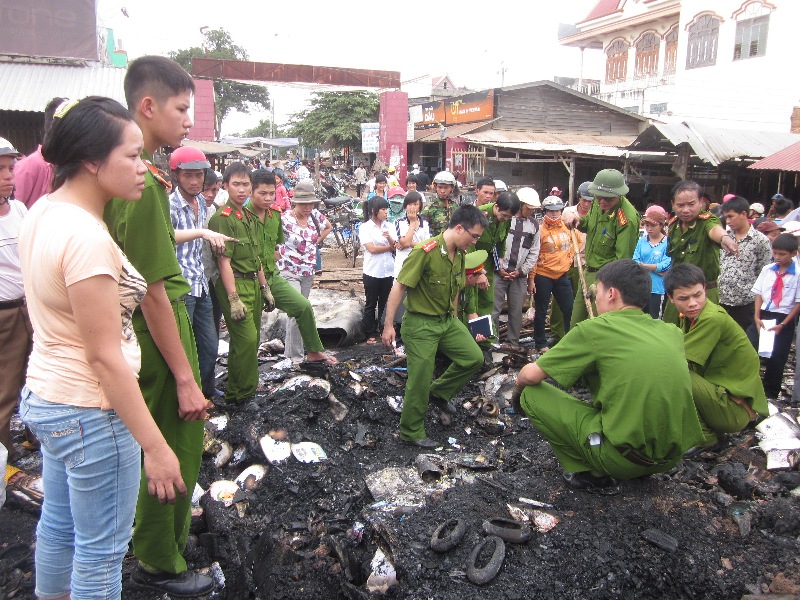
[
  {"x": 704, "y": 216},
  {"x": 623, "y": 220},
  {"x": 226, "y": 211},
  {"x": 159, "y": 175},
  {"x": 430, "y": 245},
  {"x": 672, "y": 220},
  {"x": 485, "y": 213},
  {"x": 239, "y": 215},
  {"x": 276, "y": 207}
]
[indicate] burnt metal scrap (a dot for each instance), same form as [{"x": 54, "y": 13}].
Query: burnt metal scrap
[{"x": 307, "y": 492}]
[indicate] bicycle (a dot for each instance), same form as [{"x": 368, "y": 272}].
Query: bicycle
[
  {"x": 339, "y": 211},
  {"x": 355, "y": 240}
]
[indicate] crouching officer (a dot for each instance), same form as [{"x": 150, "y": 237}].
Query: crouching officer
[
  {"x": 433, "y": 274},
  {"x": 642, "y": 418},
  {"x": 243, "y": 288}
]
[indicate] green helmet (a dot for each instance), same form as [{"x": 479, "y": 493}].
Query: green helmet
[{"x": 608, "y": 183}]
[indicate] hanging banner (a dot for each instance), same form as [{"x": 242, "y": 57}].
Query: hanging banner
[{"x": 370, "y": 137}]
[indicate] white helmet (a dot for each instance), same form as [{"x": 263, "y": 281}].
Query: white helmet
[
  {"x": 445, "y": 177},
  {"x": 500, "y": 186},
  {"x": 529, "y": 196}
]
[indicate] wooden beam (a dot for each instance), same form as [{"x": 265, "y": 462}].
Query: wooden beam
[{"x": 243, "y": 70}]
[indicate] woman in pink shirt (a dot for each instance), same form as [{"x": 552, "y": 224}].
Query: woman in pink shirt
[{"x": 81, "y": 397}]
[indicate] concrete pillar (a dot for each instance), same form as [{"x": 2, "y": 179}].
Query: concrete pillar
[{"x": 392, "y": 141}]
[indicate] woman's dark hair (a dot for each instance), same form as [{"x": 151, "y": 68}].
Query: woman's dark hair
[
  {"x": 89, "y": 131},
  {"x": 376, "y": 203},
  {"x": 381, "y": 178},
  {"x": 412, "y": 197}
]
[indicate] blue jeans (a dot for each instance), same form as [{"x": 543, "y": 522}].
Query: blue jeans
[
  {"x": 561, "y": 290},
  {"x": 91, "y": 467},
  {"x": 201, "y": 315}
]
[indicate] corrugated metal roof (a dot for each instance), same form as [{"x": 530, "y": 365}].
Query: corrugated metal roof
[
  {"x": 531, "y": 141},
  {"x": 787, "y": 159},
  {"x": 713, "y": 144},
  {"x": 29, "y": 87},
  {"x": 435, "y": 134}
]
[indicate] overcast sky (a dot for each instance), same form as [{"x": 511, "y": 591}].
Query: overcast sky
[{"x": 469, "y": 41}]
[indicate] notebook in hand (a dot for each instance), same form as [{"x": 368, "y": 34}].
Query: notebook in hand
[{"x": 482, "y": 325}]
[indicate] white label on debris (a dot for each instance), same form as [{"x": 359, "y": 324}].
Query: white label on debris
[
  {"x": 275, "y": 451},
  {"x": 309, "y": 452}
]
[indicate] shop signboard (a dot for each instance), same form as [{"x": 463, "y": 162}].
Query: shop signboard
[
  {"x": 370, "y": 137},
  {"x": 470, "y": 108}
]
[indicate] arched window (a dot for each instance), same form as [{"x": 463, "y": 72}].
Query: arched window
[
  {"x": 647, "y": 54},
  {"x": 752, "y": 27},
  {"x": 703, "y": 37},
  {"x": 671, "y": 50},
  {"x": 616, "y": 61}
]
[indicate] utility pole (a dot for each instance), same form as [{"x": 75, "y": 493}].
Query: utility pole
[
  {"x": 502, "y": 72},
  {"x": 271, "y": 126}
]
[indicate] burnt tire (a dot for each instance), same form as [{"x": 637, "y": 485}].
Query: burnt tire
[
  {"x": 508, "y": 530},
  {"x": 482, "y": 575},
  {"x": 453, "y": 530}
]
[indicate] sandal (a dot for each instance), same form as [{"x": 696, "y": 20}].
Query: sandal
[
  {"x": 327, "y": 360},
  {"x": 372, "y": 341},
  {"x": 26, "y": 490}
]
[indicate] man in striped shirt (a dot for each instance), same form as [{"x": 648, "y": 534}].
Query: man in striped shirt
[{"x": 188, "y": 215}]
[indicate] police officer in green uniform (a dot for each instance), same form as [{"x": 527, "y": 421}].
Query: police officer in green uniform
[
  {"x": 158, "y": 92},
  {"x": 724, "y": 367},
  {"x": 695, "y": 237},
  {"x": 440, "y": 210},
  {"x": 243, "y": 288},
  {"x": 642, "y": 418},
  {"x": 612, "y": 230},
  {"x": 493, "y": 240},
  {"x": 266, "y": 219},
  {"x": 433, "y": 274}
]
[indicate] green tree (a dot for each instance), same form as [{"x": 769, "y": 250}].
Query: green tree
[
  {"x": 334, "y": 119},
  {"x": 230, "y": 95},
  {"x": 263, "y": 130}
]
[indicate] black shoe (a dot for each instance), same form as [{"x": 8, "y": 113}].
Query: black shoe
[
  {"x": 184, "y": 585},
  {"x": 585, "y": 481},
  {"x": 425, "y": 442},
  {"x": 443, "y": 405}
]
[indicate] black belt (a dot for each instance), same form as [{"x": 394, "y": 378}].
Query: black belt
[
  {"x": 711, "y": 285},
  {"x": 238, "y": 275},
  {"x": 7, "y": 304},
  {"x": 637, "y": 459},
  {"x": 179, "y": 299}
]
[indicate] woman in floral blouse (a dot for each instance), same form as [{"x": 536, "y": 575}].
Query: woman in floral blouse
[{"x": 304, "y": 228}]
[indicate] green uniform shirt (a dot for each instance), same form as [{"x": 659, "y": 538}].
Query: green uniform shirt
[
  {"x": 433, "y": 280},
  {"x": 610, "y": 235},
  {"x": 693, "y": 246},
  {"x": 240, "y": 224},
  {"x": 267, "y": 235},
  {"x": 636, "y": 370},
  {"x": 438, "y": 215},
  {"x": 144, "y": 232},
  {"x": 494, "y": 236},
  {"x": 718, "y": 350}
]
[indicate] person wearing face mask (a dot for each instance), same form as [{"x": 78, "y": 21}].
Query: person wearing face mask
[
  {"x": 611, "y": 227},
  {"x": 556, "y": 254}
]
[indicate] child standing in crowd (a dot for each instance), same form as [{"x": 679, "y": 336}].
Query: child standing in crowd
[
  {"x": 281, "y": 195},
  {"x": 777, "y": 292},
  {"x": 651, "y": 253},
  {"x": 378, "y": 244}
]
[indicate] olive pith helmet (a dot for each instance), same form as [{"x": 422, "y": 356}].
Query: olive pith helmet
[{"x": 608, "y": 183}]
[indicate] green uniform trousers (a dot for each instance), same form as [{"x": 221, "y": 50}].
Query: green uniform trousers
[
  {"x": 671, "y": 313},
  {"x": 159, "y": 535},
  {"x": 579, "y": 312},
  {"x": 567, "y": 422},
  {"x": 718, "y": 413},
  {"x": 297, "y": 306},
  {"x": 556, "y": 316},
  {"x": 244, "y": 338},
  {"x": 423, "y": 337}
]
